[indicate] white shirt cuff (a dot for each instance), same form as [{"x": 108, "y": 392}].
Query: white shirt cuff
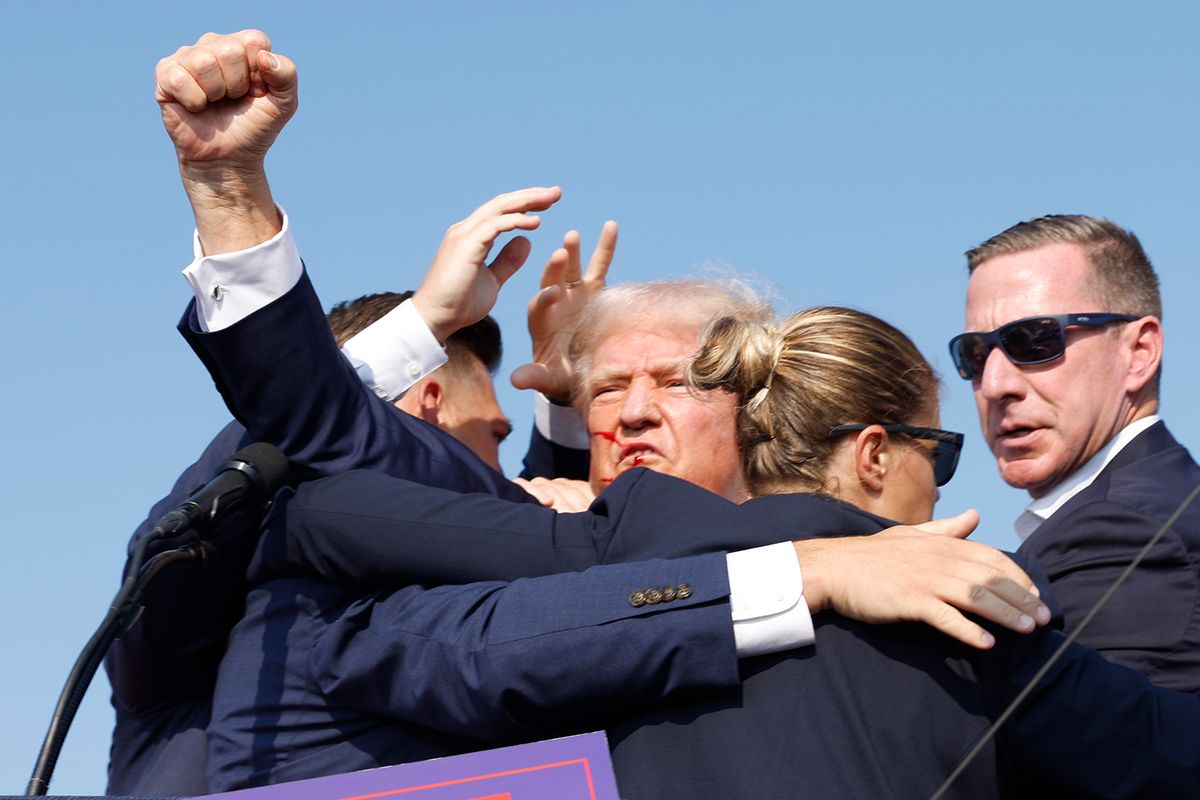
[
  {"x": 560, "y": 424},
  {"x": 231, "y": 286},
  {"x": 766, "y": 594},
  {"x": 394, "y": 352}
]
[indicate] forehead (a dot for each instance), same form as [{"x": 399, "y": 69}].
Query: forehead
[
  {"x": 642, "y": 346},
  {"x": 1053, "y": 279}
]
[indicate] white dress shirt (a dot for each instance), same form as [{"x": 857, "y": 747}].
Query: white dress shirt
[{"x": 1045, "y": 506}]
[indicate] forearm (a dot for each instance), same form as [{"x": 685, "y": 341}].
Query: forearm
[
  {"x": 502, "y": 660},
  {"x": 232, "y": 205}
]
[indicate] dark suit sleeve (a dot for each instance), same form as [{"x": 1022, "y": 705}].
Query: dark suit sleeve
[
  {"x": 367, "y": 529},
  {"x": 1143, "y": 624},
  {"x": 370, "y": 530},
  {"x": 1091, "y": 726},
  {"x": 282, "y": 376},
  {"x": 545, "y": 459},
  {"x": 497, "y": 660}
]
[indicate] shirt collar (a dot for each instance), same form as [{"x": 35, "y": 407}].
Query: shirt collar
[{"x": 1044, "y": 507}]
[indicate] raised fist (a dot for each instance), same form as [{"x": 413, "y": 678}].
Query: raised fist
[{"x": 224, "y": 99}]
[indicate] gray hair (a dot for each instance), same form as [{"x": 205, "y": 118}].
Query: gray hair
[{"x": 669, "y": 303}]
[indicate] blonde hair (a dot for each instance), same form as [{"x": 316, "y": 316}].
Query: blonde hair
[{"x": 798, "y": 378}]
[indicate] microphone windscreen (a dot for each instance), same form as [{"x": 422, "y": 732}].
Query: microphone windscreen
[{"x": 272, "y": 465}]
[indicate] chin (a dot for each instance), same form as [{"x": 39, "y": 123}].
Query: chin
[{"x": 1028, "y": 476}]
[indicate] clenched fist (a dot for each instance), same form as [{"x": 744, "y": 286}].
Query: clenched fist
[{"x": 225, "y": 99}]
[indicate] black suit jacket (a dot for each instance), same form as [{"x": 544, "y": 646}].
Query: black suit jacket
[
  {"x": 1152, "y": 623},
  {"x": 877, "y": 712},
  {"x": 163, "y": 668}
]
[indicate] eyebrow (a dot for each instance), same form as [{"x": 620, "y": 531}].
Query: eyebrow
[{"x": 658, "y": 369}]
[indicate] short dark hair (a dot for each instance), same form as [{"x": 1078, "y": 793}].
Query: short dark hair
[{"x": 481, "y": 340}]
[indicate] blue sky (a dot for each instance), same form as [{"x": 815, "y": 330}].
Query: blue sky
[{"x": 846, "y": 153}]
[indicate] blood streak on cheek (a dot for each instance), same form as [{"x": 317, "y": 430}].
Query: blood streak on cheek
[{"x": 605, "y": 435}]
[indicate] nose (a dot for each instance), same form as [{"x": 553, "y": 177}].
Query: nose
[
  {"x": 640, "y": 407},
  {"x": 1001, "y": 378}
]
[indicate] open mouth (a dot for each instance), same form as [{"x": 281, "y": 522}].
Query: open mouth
[{"x": 635, "y": 455}]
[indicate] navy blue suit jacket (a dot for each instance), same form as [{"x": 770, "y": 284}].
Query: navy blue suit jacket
[
  {"x": 1152, "y": 623},
  {"x": 883, "y": 710},
  {"x": 283, "y": 371}
]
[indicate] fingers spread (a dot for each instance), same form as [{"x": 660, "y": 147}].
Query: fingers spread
[
  {"x": 602, "y": 256},
  {"x": 533, "y": 199},
  {"x": 574, "y": 270},
  {"x": 552, "y": 275}
]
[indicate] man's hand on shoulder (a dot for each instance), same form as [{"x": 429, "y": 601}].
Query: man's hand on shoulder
[{"x": 921, "y": 573}]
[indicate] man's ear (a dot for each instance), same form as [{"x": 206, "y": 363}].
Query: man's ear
[
  {"x": 872, "y": 457},
  {"x": 1145, "y": 340},
  {"x": 424, "y": 400}
]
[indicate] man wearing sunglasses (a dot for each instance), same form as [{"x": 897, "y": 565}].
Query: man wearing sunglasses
[{"x": 1064, "y": 349}]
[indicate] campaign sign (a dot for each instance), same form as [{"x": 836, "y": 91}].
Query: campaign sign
[{"x": 571, "y": 768}]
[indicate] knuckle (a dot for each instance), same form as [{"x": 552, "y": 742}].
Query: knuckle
[
  {"x": 201, "y": 60},
  {"x": 231, "y": 51},
  {"x": 976, "y": 593},
  {"x": 254, "y": 36}
]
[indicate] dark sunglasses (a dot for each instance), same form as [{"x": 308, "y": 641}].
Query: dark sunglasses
[
  {"x": 945, "y": 455},
  {"x": 1034, "y": 340}
]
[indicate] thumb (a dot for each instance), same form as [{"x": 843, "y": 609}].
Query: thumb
[
  {"x": 279, "y": 74},
  {"x": 531, "y": 376},
  {"x": 960, "y": 527},
  {"x": 510, "y": 258}
]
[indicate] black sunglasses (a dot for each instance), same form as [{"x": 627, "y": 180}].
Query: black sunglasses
[
  {"x": 1033, "y": 340},
  {"x": 945, "y": 455}
]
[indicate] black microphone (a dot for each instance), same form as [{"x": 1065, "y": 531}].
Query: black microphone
[{"x": 252, "y": 474}]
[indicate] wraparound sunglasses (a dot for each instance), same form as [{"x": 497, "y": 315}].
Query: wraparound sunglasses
[
  {"x": 1033, "y": 340},
  {"x": 945, "y": 455}
]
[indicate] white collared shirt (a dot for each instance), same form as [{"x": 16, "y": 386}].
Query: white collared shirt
[{"x": 1045, "y": 506}]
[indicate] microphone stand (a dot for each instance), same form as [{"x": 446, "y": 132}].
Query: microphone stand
[{"x": 121, "y": 613}]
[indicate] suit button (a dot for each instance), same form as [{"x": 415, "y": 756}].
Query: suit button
[
  {"x": 683, "y": 591},
  {"x": 653, "y": 597},
  {"x": 669, "y": 593},
  {"x": 637, "y": 599}
]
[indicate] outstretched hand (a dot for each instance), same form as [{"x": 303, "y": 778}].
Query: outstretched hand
[
  {"x": 922, "y": 573},
  {"x": 460, "y": 288},
  {"x": 566, "y": 290}
]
